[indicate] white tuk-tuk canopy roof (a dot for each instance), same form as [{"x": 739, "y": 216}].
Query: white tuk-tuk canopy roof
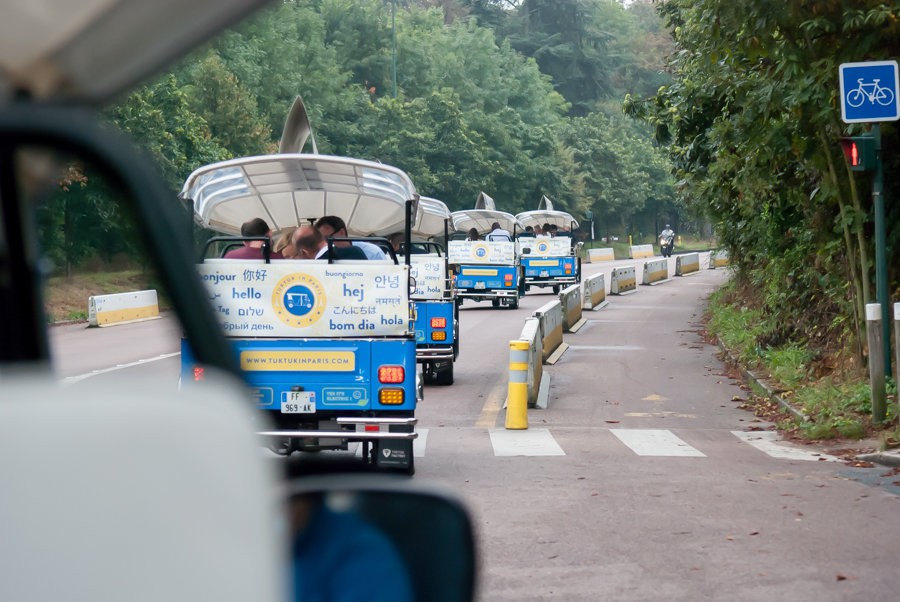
[
  {"x": 91, "y": 50},
  {"x": 560, "y": 219},
  {"x": 291, "y": 189},
  {"x": 482, "y": 220},
  {"x": 430, "y": 218}
]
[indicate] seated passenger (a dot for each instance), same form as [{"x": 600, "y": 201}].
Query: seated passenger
[
  {"x": 332, "y": 225},
  {"x": 252, "y": 249},
  {"x": 396, "y": 240},
  {"x": 498, "y": 234},
  {"x": 282, "y": 244},
  {"x": 310, "y": 244},
  {"x": 473, "y": 234}
]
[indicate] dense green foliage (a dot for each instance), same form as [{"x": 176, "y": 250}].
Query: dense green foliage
[
  {"x": 518, "y": 99},
  {"x": 753, "y": 119}
]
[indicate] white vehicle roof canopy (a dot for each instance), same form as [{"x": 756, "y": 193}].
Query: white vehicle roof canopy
[
  {"x": 483, "y": 216},
  {"x": 560, "y": 219},
  {"x": 546, "y": 214},
  {"x": 482, "y": 219},
  {"x": 430, "y": 218},
  {"x": 288, "y": 189}
]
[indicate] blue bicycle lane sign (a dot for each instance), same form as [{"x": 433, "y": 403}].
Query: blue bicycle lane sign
[{"x": 869, "y": 92}]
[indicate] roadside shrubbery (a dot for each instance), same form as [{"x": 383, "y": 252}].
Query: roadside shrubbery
[{"x": 818, "y": 381}]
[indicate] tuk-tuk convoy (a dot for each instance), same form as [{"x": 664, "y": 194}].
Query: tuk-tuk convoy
[{"x": 337, "y": 350}]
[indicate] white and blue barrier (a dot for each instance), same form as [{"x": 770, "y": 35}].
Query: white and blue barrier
[
  {"x": 594, "y": 292},
  {"x": 656, "y": 272},
  {"x": 642, "y": 251},
  {"x": 570, "y": 299},
  {"x": 718, "y": 259},
  {"x": 551, "y": 332},
  {"x": 120, "y": 308},
  {"x": 622, "y": 281},
  {"x": 597, "y": 255},
  {"x": 687, "y": 263}
]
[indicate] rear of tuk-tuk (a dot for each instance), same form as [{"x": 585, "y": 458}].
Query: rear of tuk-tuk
[
  {"x": 327, "y": 347},
  {"x": 486, "y": 269},
  {"x": 436, "y": 316},
  {"x": 549, "y": 261}
]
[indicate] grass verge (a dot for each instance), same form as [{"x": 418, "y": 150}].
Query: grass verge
[{"x": 837, "y": 403}]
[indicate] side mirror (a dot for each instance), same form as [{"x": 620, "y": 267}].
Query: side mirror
[
  {"x": 526, "y": 250},
  {"x": 412, "y": 284},
  {"x": 391, "y": 538}
]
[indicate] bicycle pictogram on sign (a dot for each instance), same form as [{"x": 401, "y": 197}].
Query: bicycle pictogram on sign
[{"x": 869, "y": 92}]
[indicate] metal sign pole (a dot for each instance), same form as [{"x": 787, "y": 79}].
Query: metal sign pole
[{"x": 881, "y": 284}]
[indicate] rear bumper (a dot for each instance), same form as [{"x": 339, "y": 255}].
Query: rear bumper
[
  {"x": 444, "y": 352},
  {"x": 550, "y": 280},
  {"x": 363, "y": 429},
  {"x": 487, "y": 293}
]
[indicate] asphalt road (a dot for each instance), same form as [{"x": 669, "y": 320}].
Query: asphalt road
[{"x": 642, "y": 480}]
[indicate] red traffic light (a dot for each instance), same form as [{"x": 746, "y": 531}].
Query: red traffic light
[
  {"x": 851, "y": 151},
  {"x": 860, "y": 152}
]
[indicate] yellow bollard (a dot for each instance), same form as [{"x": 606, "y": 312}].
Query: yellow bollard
[{"x": 517, "y": 397}]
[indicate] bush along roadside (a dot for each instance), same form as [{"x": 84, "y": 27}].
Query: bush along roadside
[{"x": 809, "y": 392}]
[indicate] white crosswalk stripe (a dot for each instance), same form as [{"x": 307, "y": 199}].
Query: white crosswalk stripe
[
  {"x": 768, "y": 442},
  {"x": 655, "y": 442},
  {"x": 530, "y": 442},
  {"x": 643, "y": 442}
]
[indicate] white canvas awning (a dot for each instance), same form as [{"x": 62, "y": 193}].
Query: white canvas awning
[
  {"x": 292, "y": 189},
  {"x": 560, "y": 219},
  {"x": 482, "y": 220},
  {"x": 430, "y": 218}
]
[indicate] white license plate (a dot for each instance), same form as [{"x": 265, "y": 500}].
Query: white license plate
[
  {"x": 298, "y": 402},
  {"x": 479, "y": 285},
  {"x": 545, "y": 274}
]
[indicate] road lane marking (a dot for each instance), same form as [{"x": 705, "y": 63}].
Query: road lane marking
[
  {"x": 655, "y": 442},
  {"x": 420, "y": 442},
  {"x": 528, "y": 442},
  {"x": 492, "y": 405},
  {"x": 71, "y": 380},
  {"x": 606, "y": 348},
  {"x": 769, "y": 443}
]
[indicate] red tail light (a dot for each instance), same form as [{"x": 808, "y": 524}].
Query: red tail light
[
  {"x": 391, "y": 374},
  {"x": 439, "y": 322},
  {"x": 198, "y": 374}
]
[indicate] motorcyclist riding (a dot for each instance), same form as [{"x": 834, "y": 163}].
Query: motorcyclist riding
[{"x": 666, "y": 241}]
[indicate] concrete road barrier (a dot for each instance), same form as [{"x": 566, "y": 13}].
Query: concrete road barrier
[
  {"x": 642, "y": 251},
  {"x": 594, "y": 292},
  {"x": 622, "y": 281},
  {"x": 551, "y": 332},
  {"x": 120, "y": 308},
  {"x": 688, "y": 263},
  {"x": 598, "y": 255},
  {"x": 656, "y": 272},
  {"x": 718, "y": 259},
  {"x": 570, "y": 298}
]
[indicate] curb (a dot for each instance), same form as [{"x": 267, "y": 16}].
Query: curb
[
  {"x": 751, "y": 377},
  {"x": 885, "y": 458}
]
